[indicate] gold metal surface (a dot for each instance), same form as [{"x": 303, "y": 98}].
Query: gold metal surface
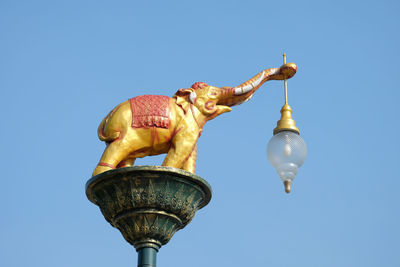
[
  {"x": 286, "y": 123},
  {"x": 288, "y": 186},
  {"x": 285, "y": 81}
]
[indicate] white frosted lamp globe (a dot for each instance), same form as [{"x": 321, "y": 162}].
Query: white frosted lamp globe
[{"x": 287, "y": 151}]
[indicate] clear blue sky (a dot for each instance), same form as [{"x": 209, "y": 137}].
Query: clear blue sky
[{"x": 65, "y": 64}]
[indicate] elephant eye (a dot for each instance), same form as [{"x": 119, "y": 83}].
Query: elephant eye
[{"x": 213, "y": 92}]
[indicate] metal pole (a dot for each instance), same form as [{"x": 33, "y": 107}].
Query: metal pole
[{"x": 147, "y": 257}]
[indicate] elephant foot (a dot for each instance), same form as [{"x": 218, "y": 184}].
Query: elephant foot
[
  {"x": 101, "y": 168},
  {"x": 126, "y": 163}
]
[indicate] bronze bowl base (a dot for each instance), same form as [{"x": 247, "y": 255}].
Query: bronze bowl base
[{"x": 148, "y": 204}]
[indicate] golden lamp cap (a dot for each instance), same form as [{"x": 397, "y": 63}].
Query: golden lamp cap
[
  {"x": 288, "y": 186},
  {"x": 286, "y": 123}
]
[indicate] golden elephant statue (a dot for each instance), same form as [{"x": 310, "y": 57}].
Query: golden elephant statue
[{"x": 152, "y": 124}]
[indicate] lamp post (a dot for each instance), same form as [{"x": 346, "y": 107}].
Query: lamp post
[{"x": 148, "y": 204}]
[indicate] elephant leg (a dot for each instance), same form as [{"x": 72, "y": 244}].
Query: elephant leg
[
  {"x": 181, "y": 148},
  {"x": 190, "y": 163},
  {"x": 126, "y": 163},
  {"x": 112, "y": 156}
]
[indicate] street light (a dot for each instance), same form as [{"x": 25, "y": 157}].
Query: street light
[
  {"x": 286, "y": 150},
  {"x": 148, "y": 204}
]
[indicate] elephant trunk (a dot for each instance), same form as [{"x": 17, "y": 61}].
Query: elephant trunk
[{"x": 231, "y": 96}]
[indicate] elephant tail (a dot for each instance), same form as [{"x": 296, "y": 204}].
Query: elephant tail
[{"x": 108, "y": 138}]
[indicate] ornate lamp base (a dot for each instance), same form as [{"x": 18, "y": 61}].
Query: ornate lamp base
[{"x": 148, "y": 204}]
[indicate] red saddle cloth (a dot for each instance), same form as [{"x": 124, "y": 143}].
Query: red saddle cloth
[{"x": 150, "y": 111}]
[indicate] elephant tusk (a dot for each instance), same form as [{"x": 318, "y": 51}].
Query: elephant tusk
[
  {"x": 244, "y": 101},
  {"x": 192, "y": 97},
  {"x": 249, "y": 87}
]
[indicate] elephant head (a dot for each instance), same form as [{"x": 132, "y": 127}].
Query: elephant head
[
  {"x": 212, "y": 101},
  {"x": 204, "y": 97}
]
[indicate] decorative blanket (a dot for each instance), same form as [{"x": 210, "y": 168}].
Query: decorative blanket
[{"x": 150, "y": 111}]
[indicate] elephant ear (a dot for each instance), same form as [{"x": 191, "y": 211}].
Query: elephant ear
[{"x": 184, "y": 97}]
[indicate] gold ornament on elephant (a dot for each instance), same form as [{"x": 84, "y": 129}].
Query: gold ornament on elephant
[{"x": 151, "y": 124}]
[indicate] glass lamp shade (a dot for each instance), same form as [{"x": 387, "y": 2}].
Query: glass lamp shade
[{"x": 287, "y": 151}]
